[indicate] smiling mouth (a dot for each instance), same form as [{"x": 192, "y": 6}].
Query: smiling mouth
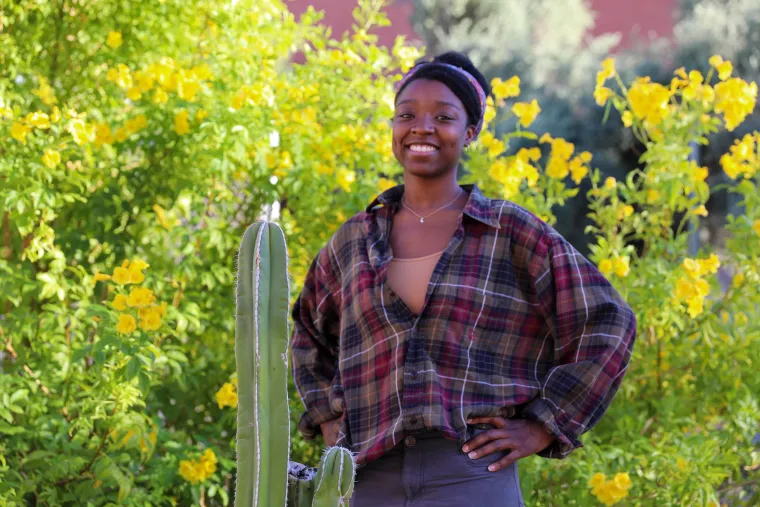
[{"x": 423, "y": 149}]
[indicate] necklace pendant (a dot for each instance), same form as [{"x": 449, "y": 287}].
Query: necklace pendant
[{"x": 422, "y": 220}]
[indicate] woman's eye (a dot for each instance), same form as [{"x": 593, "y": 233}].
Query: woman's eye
[
  {"x": 443, "y": 117},
  {"x": 404, "y": 115}
]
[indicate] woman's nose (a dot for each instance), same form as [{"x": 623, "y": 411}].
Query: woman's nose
[{"x": 424, "y": 125}]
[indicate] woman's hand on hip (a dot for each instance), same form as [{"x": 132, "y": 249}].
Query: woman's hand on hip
[
  {"x": 522, "y": 437},
  {"x": 330, "y": 430}
]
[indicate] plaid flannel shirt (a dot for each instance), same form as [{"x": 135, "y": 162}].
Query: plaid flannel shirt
[{"x": 515, "y": 323}]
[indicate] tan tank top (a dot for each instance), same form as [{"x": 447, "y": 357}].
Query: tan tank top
[{"x": 409, "y": 278}]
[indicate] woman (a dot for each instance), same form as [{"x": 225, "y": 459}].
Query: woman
[{"x": 442, "y": 335}]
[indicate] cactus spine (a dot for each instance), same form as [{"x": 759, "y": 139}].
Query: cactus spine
[
  {"x": 261, "y": 344},
  {"x": 265, "y": 477}
]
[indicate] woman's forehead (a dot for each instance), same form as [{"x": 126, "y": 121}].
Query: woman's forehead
[{"x": 428, "y": 91}]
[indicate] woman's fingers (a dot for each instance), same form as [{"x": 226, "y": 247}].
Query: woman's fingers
[
  {"x": 506, "y": 461},
  {"x": 501, "y": 444}
]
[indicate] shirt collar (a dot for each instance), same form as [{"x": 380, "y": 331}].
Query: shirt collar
[{"x": 478, "y": 207}]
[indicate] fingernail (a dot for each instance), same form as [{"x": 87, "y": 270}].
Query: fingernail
[
  {"x": 473, "y": 455},
  {"x": 492, "y": 468},
  {"x": 465, "y": 449}
]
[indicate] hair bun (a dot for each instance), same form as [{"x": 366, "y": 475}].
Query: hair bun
[{"x": 462, "y": 61}]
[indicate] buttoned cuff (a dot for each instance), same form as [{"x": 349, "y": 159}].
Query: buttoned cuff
[
  {"x": 320, "y": 411},
  {"x": 564, "y": 442}
]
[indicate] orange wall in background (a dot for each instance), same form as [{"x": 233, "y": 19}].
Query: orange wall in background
[{"x": 622, "y": 16}]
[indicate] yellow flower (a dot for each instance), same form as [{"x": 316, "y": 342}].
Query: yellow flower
[
  {"x": 735, "y": 99},
  {"x": 597, "y": 479},
  {"x": 384, "y": 184},
  {"x": 45, "y": 92},
  {"x": 605, "y": 266},
  {"x": 621, "y": 265},
  {"x": 119, "y": 302},
  {"x": 700, "y": 210},
  {"x": 709, "y": 265},
  {"x": 160, "y": 97},
  {"x": 145, "y": 81},
  {"x": 187, "y": 86},
  {"x": 345, "y": 178},
  {"x": 496, "y": 148},
  {"x": 602, "y": 94},
  {"x": 608, "y": 68},
  {"x": 208, "y": 461},
  {"x": 692, "y": 267},
  {"x": 526, "y": 112},
  {"x": 140, "y": 297},
  {"x": 39, "y": 120},
  {"x": 739, "y": 277},
  {"x": 181, "y": 125},
  {"x": 546, "y": 138},
  {"x": 80, "y": 131},
  {"x": 505, "y": 89},
  {"x": 557, "y": 168},
  {"x": 653, "y": 195},
  {"x": 701, "y": 173},
  {"x": 227, "y": 396},
  {"x": 19, "y": 132},
  {"x": 51, "y": 158},
  {"x": 126, "y": 324},
  {"x": 114, "y": 40},
  {"x": 627, "y": 118},
  {"x": 201, "y": 115},
  {"x": 649, "y": 101},
  {"x": 715, "y": 61},
  {"x": 150, "y": 318},
  {"x": 622, "y": 480},
  {"x": 756, "y": 227},
  {"x": 610, "y": 182},
  {"x": 681, "y": 463},
  {"x": 725, "y": 70},
  {"x": 134, "y": 93},
  {"x": 101, "y": 277},
  {"x": 578, "y": 171},
  {"x": 121, "y": 276}
]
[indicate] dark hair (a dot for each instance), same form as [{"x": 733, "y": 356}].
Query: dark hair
[{"x": 455, "y": 81}]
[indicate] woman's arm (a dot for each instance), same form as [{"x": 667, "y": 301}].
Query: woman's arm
[
  {"x": 593, "y": 331},
  {"x": 314, "y": 345}
]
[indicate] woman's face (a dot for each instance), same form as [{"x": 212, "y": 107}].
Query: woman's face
[{"x": 430, "y": 128}]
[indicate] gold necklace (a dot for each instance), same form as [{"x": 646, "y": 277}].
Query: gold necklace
[{"x": 422, "y": 219}]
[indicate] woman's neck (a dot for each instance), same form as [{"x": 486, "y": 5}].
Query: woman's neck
[{"x": 425, "y": 194}]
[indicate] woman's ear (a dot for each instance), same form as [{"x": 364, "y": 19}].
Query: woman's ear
[{"x": 469, "y": 135}]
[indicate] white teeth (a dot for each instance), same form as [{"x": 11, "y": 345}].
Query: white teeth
[{"x": 423, "y": 148}]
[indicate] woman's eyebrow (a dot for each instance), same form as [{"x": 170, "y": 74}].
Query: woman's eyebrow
[{"x": 438, "y": 102}]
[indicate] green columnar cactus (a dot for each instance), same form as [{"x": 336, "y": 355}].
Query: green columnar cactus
[
  {"x": 265, "y": 477},
  {"x": 334, "y": 482},
  {"x": 261, "y": 345}
]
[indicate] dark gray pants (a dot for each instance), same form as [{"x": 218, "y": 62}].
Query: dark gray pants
[{"x": 431, "y": 471}]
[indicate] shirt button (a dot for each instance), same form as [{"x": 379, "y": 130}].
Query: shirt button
[{"x": 410, "y": 441}]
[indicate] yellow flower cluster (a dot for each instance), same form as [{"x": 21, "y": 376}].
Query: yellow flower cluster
[
  {"x": 692, "y": 86},
  {"x": 735, "y": 99},
  {"x": 36, "y": 120},
  {"x": 227, "y": 396},
  {"x": 611, "y": 491},
  {"x": 742, "y": 158},
  {"x": 165, "y": 76},
  {"x": 560, "y": 163},
  {"x": 649, "y": 101},
  {"x": 196, "y": 471},
  {"x": 526, "y": 112},
  {"x": 601, "y": 93},
  {"x": 620, "y": 265},
  {"x": 114, "y": 40},
  {"x": 141, "y": 298},
  {"x": 692, "y": 289},
  {"x": 511, "y": 172},
  {"x": 256, "y": 94},
  {"x": 756, "y": 226},
  {"x": 505, "y": 89}
]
